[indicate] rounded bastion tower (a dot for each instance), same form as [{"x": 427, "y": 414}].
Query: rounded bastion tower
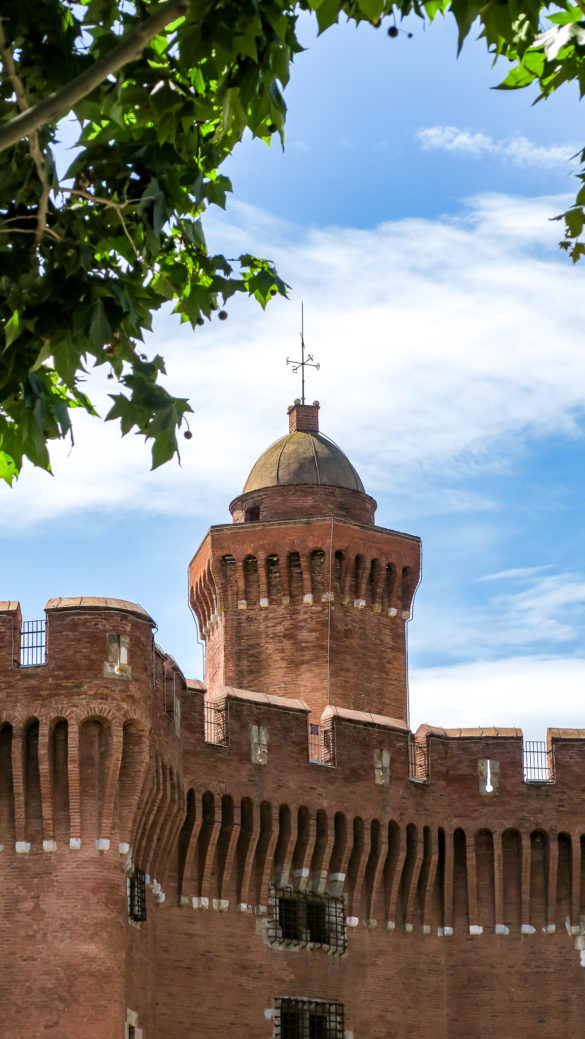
[{"x": 303, "y": 596}]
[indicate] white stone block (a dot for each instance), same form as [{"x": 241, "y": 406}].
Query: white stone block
[
  {"x": 75, "y": 843},
  {"x": 352, "y": 921},
  {"x": 102, "y": 844},
  {"x": 527, "y": 929},
  {"x": 264, "y": 602},
  {"x": 475, "y": 929},
  {"x": 501, "y": 929},
  {"x": 49, "y": 845},
  {"x": 308, "y": 599},
  {"x": 22, "y": 847},
  {"x": 408, "y": 928},
  {"x": 124, "y": 848}
]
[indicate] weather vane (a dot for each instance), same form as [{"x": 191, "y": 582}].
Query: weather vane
[{"x": 303, "y": 363}]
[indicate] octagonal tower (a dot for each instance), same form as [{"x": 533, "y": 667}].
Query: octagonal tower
[{"x": 303, "y": 596}]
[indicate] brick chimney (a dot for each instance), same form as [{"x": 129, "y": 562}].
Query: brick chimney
[{"x": 303, "y": 417}]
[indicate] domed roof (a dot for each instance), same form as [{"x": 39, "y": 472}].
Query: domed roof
[{"x": 303, "y": 457}]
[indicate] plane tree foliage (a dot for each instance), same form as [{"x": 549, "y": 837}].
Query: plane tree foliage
[{"x": 160, "y": 94}]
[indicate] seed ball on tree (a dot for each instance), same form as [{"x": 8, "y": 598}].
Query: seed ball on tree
[
  {"x": 222, "y": 315},
  {"x": 393, "y": 31},
  {"x": 188, "y": 434}
]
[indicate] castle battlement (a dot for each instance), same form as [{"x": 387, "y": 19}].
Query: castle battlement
[{"x": 273, "y": 852}]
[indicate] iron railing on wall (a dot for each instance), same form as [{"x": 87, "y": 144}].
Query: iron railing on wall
[
  {"x": 216, "y": 722},
  {"x": 322, "y": 743},
  {"x": 418, "y": 760},
  {"x": 137, "y": 896},
  {"x": 538, "y": 762},
  {"x": 33, "y": 643},
  {"x": 308, "y": 1019},
  {"x": 306, "y": 918}
]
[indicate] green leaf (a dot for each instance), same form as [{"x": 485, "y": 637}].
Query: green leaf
[
  {"x": 372, "y": 8},
  {"x": 13, "y": 328},
  {"x": 465, "y": 13},
  {"x": 574, "y": 220},
  {"x": 100, "y": 331},
  {"x": 8, "y": 469},
  {"x": 327, "y": 14}
]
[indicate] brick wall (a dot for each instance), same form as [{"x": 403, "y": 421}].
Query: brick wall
[{"x": 307, "y": 609}]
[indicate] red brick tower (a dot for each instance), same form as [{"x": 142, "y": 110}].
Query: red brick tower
[{"x": 303, "y": 596}]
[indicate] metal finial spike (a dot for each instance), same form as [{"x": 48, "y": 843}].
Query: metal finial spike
[{"x": 302, "y": 364}]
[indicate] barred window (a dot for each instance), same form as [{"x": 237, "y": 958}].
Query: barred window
[
  {"x": 305, "y": 918},
  {"x": 137, "y": 896},
  {"x": 308, "y": 1019}
]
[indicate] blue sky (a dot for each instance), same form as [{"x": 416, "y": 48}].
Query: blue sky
[{"x": 411, "y": 212}]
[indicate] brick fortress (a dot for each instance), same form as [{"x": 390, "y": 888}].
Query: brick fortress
[{"x": 276, "y": 854}]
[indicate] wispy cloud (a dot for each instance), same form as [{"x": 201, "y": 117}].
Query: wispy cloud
[
  {"x": 535, "y": 609},
  {"x": 515, "y": 574},
  {"x": 463, "y": 335},
  {"x": 517, "y": 150}
]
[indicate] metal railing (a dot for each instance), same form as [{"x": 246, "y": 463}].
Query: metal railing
[
  {"x": 305, "y": 918},
  {"x": 33, "y": 643},
  {"x": 216, "y": 722},
  {"x": 322, "y": 744},
  {"x": 308, "y": 1019},
  {"x": 137, "y": 896},
  {"x": 418, "y": 760},
  {"x": 538, "y": 762}
]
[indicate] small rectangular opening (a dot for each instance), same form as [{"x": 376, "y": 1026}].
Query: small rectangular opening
[{"x": 137, "y": 896}]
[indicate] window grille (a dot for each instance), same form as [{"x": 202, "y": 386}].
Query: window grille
[
  {"x": 216, "y": 722},
  {"x": 308, "y": 1019},
  {"x": 137, "y": 896},
  {"x": 538, "y": 762},
  {"x": 418, "y": 760},
  {"x": 33, "y": 643},
  {"x": 304, "y": 918},
  {"x": 322, "y": 744}
]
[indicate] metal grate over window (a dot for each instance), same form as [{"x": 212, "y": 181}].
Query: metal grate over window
[
  {"x": 538, "y": 761},
  {"x": 216, "y": 722},
  {"x": 304, "y": 918},
  {"x": 322, "y": 744},
  {"x": 418, "y": 760},
  {"x": 137, "y": 896},
  {"x": 308, "y": 1019},
  {"x": 33, "y": 643}
]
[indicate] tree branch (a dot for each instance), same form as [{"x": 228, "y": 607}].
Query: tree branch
[
  {"x": 117, "y": 206},
  {"x": 33, "y": 140},
  {"x": 57, "y": 104}
]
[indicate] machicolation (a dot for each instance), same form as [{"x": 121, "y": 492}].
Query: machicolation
[{"x": 272, "y": 852}]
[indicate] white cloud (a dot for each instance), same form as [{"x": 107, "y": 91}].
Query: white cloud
[
  {"x": 538, "y": 610},
  {"x": 529, "y": 691},
  {"x": 517, "y": 150},
  {"x": 442, "y": 344}
]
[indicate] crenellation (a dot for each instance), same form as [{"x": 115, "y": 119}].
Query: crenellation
[{"x": 451, "y": 861}]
